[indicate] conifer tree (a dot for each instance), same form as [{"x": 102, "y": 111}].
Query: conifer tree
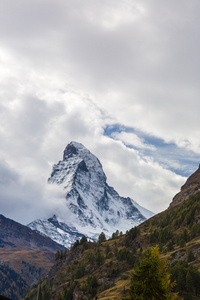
[
  {"x": 189, "y": 283},
  {"x": 151, "y": 280},
  {"x": 102, "y": 237},
  {"x": 39, "y": 294}
]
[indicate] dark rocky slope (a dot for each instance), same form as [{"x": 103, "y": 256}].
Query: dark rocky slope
[{"x": 25, "y": 255}]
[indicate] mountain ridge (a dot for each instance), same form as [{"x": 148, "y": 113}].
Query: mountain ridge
[
  {"x": 14, "y": 233},
  {"x": 91, "y": 205}
]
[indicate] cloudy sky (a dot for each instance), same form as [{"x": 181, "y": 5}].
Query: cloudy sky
[{"x": 120, "y": 77}]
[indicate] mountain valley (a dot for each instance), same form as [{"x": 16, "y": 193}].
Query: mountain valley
[
  {"x": 106, "y": 236},
  {"x": 91, "y": 206}
]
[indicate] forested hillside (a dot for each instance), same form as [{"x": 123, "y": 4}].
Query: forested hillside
[
  {"x": 104, "y": 269},
  {"x": 11, "y": 284},
  {"x": 25, "y": 255}
]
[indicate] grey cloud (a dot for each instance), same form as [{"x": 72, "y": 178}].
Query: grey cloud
[
  {"x": 7, "y": 175},
  {"x": 137, "y": 177},
  {"x": 25, "y": 199},
  {"x": 26, "y": 125},
  {"x": 16, "y": 197},
  {"x": 155, "y": 47}
]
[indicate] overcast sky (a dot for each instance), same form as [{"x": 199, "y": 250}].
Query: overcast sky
[{"x": 120, "y": 77}]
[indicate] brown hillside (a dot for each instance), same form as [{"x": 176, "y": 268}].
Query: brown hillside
[
  {"x": 192, "y": 186},
  {"x": 25, "y": 251}
]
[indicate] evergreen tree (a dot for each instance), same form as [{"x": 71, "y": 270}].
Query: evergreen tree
[
  {"x": 102, "y": 237},
  {"x": 151, "y": 279},
  {"x": 92, "y": 284},
  {"x": 39, "y": 294},
  {"x": 190, "y": 256},
  {"x": 83, "y": 240},
  {"x": 189, "y": 283},
  {"x": 99, "y": 258},
  {"x": 107, "y": 251}
]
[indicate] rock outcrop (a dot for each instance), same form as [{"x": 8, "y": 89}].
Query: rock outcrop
[{"x": 191, "y": 187}]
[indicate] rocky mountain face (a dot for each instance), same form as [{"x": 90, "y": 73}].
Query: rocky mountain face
[
  {"x": 91, "y": 205},
  {"x": 57, "y": 230},
  {"x": 191, "y": 187},
  {"x": 17, "y": 235},
  {"x": 25, "y": 255}
]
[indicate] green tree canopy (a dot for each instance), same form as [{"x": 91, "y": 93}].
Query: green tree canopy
[{"x": 151, "y": 280}]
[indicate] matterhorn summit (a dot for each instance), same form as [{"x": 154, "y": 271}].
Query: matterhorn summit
[{"x": 91, "y": 205}]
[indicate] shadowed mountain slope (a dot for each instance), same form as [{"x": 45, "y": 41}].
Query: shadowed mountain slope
[{"x": 25, "y": 255}]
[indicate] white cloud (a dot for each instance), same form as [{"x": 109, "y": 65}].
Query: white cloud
[
  {"x": 69, "y": 68},
  {"x": 131, "y": 139}
]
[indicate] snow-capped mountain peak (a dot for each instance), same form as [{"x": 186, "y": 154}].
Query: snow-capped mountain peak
[{"x": 92, "y": 206}]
